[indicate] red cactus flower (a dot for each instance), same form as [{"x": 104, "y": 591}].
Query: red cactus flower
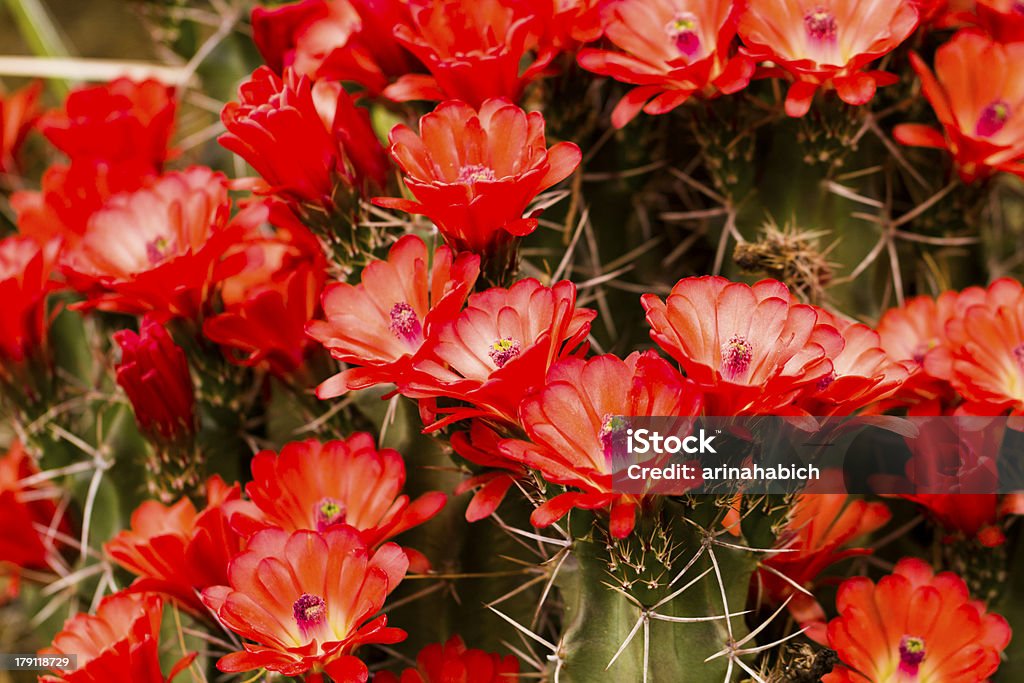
[
  {"x": 862, "y": 373},
  {"x": 984, "y": 359},
  {"x": 972, "y": 515},
  {"x": 119, "y": 644},
  {"x": 826, "y": 44},
  {"x": 1002, "y": 19},
  {"x": 474, "y": 174},
  {"x": 481, "y": 445},
  {"x": 18, "y": 114},
  {"x": 977, "y": 93},
  {"x": 474, "y": 51},
  {"x": 572, "y": 419},
  {"x": 335, "y": 40},
  {"x": 914, "y": 625},
  {"x": 170, "y": 240},
  {"x": 314, "y": 485},
  {"x": 179, "y": 551},
  {"x": 751, "y": 349},
  {"x": 25, "y": 270},
  {"x": 499, "y": 349},
  {"x": 818, "y": 532},
  {"x": 154, "y": 373},
  {"x": 305, "y": 139},
  {"x": 671, "y": 50},
  {"x": 25, "y": 509},
  {"x": 453, "y": 662},
  {"x": 123, "y": 124},
  {"x": 380, "y": 324},
  {"x": 308, "y": 599}
]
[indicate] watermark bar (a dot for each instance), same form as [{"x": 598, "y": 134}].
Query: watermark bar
[
  {"x": 787, "y": 454},
  {"x": 35, "y": 662}
]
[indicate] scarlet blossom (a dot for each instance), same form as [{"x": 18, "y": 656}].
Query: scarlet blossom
[
  {"x": 474, "y": 51},
  {"x": 984, "y": 358},
  {"x": 18, "y": 114},
  {"x": 973, "y": 515},
  {"x": 819, "y": 531},
  {"x": 977, "y": 93},
  {"x": 826, "y": 44},
  {"x": 177, "y": 550},
  {"x": 571, "y": 423},
  {"x": 914, "y": 625},
  {"x": 308, "y": 599},
  {"x": 499, "y": 349},
  {"x": 308, "y": 140},
  {"x": 453, "y": 662},
  {"x": 123, "y": 125},
  {"x": 574, "y": 22},
  {"x": 154, "y": 373},
  {"x": 1002, "y": 19},
  {"x": 118, "y": 644},
  {"x": 481, "y": 445},
  {"x": 750, "y": 348},
  {"x": 671, "y": 50},
  {"x": 314, "y": 485},
  {"x": 159, "y": 249},
  {"x": 339, "y": 40},
  {"x": 862, "y": 373},
  {"x": 473, "y": 174},
  {"x": 25, "y": 509},
  {"x": 25, "y": 270},
  {"x": 379, "y": 325}
]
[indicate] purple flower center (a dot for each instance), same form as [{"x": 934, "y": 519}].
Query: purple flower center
[
  {"x": 475, "y": 173},
  {"x": 993, "y": 118},
  {"x": 737, "y": 353},
  {"x": 329, "y": 511},
  {"x": 405, "y": 324},
  {"x": 157, "y": 250},
  {"x": 826, "y": 381},
  {"x": 912, "y": 653},
  {"x": 1018, "y": 353},
  {"x": 310, "y": 612},
  {"x": 611, "y": 427},
  {"x": 504, "y": 350},
  {"x": 821, "y": 24},
  {"x": 682, "y": 31}
]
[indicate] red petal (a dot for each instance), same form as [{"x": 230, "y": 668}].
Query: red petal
[
  {"x": 855, "y": 89},
  {"x": 798, "y": 99},
  {"x": 918, "y": 135}
]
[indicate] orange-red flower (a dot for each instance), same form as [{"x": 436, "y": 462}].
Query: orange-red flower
[
  {"x": 474, "y": 174},
  {"x": 159, "y": 249},
  {"x": 308, "y": 599},
  {"x": 481, "y": 445},
  {"x": 573, "y": 419},
  {"x": 826, "y": 44},
  {"x": 474, "y": 50},
  {"x": 18, "y": 113},
  {"x": 154, "y": 373},
  {"x": 379, "y": 325},
  {"x": 340, "y": 40},
  {"x": 307, "y": 140},
  {"x": 25, "y": 271},
  {"x": 177, "y": 550},
  {"x": 977, "y": 92},
  {"x": 751, "y": 349},
  {"x": 314, "y": 485},
  {"x": 971, "y": 515},
  {"x": 671, "y": 50},
  {"x": 453, "y": 662},
  {"x": 119, "y": 644},
  {"x": 499, "y": 349},
  {"x": 818, "y": 532},
  {"x": 914, "y": 626}
]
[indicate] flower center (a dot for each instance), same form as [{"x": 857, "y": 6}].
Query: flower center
[
  {"x": 405, "y": 324},
  {"x": 504, "y": 350},
  {"x": 475, "y": 173},
  {"x": 310, "y": 612},
  {"x": 682, "y": 31},
  {"x": 157, "y": 250},
  {"x": 329, "y": 511},
  {"x": 611, "y": 427},
  {"x": 826, "y": 381},
  {"x": 736, "y": 356},
  {"x": 820, "y": 24},
  {"x": 912, "y": 653},
  {"x": 1018, "y": 353},
  {"x": 1017, "y": 7},
  {"x": 993, "y": 118}
]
